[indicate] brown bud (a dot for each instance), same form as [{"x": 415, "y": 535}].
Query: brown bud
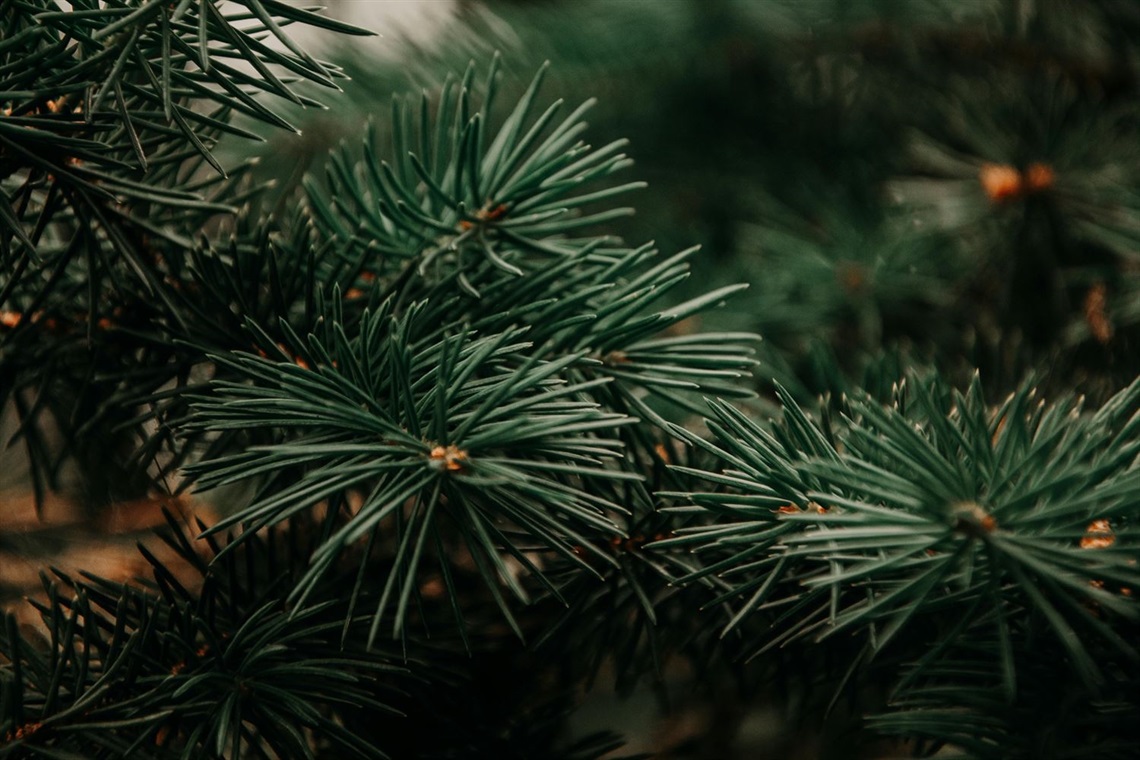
[
  {"x": 1001, "y": 182},
  {"x": 1039, "y": 177},
  {"x": 451, "y": 456},
  {"x": 1096, "y": 313},
  {"x": 1099, "y": 535}
]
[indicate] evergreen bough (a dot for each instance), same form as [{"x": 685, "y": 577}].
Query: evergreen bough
[{"x": 440, "y": 409}]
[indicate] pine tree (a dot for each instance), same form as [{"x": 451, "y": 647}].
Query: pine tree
[{"x": 451, "y": 421}]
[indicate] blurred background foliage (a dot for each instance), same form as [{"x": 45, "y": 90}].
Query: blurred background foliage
[{"x": 927, "y": 182}]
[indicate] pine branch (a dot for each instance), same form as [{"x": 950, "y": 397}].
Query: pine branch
[
  {"x": 100, "y": 144},
  {"x": 499, "y": 393},
  {"x": 933, "y": 508},
  {"x": 209, "y": 664}
]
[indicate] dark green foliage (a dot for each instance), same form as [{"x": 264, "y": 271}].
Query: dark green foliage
[
  {"x": 862, "y": 128},
  {"x": 960, "y": 700},
  {"x": 491, "y": 389},
  {"x": 428, "y": 373},
  {"x": 103, "y": 142},
  {"x": 450, "y": 415},
  {"x": 220, "y": 669},
  {"x": 931, "y": 525}
]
